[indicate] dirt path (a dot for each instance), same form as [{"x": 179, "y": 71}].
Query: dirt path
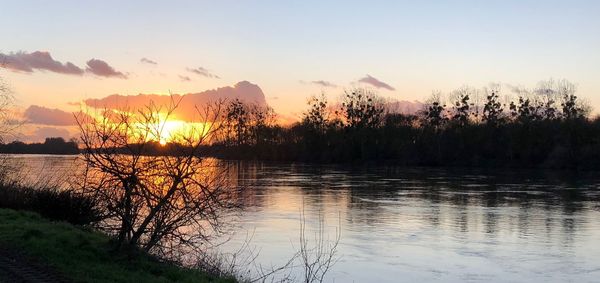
[{"x": 15, "y": 267}]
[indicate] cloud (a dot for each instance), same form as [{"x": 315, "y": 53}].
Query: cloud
[
  {"x": 148, "y": 61},
  {"x": 187, "y": 111},
  {"x": 42, "y": 60},
  {"x": 102, "y": 69},
  {"x": 404, "y": 107},
  {"x": 184, "y": 78},
  {"x": 38, "y": 60},
  {"x": 323, "y": 83},
  {"x": 41, "y": 133},
  {"x": 46, "y": 116},
  {"x": 203, "y": 72},
  {"x": 376, "y": 83}
]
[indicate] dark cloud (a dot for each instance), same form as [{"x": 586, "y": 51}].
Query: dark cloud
[
  {"x": 38, "y": 60},
  {"x": 42, "y": 60},
  {"x": 46, "y": 116},
  {"x": 376, "y": 83},
  {"x": 184, "y": 78},
  {"x": 102, "y": 69},
  {"x": 148, "y": 61},
  {"x": 203, "y": 72}
]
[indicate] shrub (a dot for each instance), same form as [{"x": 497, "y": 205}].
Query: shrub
[{"x": 51, "y": 203}]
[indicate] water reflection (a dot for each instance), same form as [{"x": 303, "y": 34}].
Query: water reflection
[
  {"x": 416, "y": 224},
  {"x": 407, "y": 224}
]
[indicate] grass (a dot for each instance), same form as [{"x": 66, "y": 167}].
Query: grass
[{"x": 83, "y": 255}]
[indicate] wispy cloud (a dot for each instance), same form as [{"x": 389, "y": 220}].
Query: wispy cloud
[
  {"x": 323, "y": 83},
  {"x": 203, "y": 72},
  {"x": 38, "y": 60},
  {"x": 148, "y": 61},
  {"x": 376, "y": 83},
  {"x": 102, "y": 69},
  {"x": 184, "y": 78}
]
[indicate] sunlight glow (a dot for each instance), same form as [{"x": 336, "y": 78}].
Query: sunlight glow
[{"x": 170, "y": 130}]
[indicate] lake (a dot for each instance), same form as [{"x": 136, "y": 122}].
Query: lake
[{"x": 403, "y": 224}]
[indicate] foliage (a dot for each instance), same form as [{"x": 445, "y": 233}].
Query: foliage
[
  {"x": 492, "y": 110},
  {"x": 316, "y": 118},
  {"x": 52, "y": 203},
  {"x": 462, "y": 109},
  {"x": 435, "y": 114},
  {"x": 361, "y": 109}
]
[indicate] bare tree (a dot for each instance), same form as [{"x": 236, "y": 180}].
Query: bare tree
[
  {"x": 562, "y": 92},
  {"x": 7, "y": 127},
  {"x": 317, "y": 258},
  {"x": 155, "y": 196},
  {"x": 312, "y": 260},
  {"x": 261, "y": 119},
  {"x": 236, "y": 123},
  {"x": 7, "y": 99}
]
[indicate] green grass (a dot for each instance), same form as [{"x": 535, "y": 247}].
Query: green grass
[{"x": 85, "y": 256}]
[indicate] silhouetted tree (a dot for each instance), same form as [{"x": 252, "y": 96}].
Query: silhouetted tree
[
  {"x": 161, "y": 202},
  {"x": 461, "y": 107},
  {"x": 261, "y": 118},
  {"x": 527, "y": 111},
  {"x": 492, "y": 110},
  {"x": 7, "y": 125},
  {"x": 475, "y": 131},
  {"x": 237, "y": 122},
  {"x": 570, "y": 108},
  {"x": 361, "y": 108},
  {"x": 317, "y": 117},
  {"x": 435, "y": 111}
]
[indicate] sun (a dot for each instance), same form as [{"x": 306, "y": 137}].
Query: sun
[{"x": 170, "y": 130}]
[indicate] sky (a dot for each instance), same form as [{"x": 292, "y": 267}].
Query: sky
[{"x": 293, "y": 49}]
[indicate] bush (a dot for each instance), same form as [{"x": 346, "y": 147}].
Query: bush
[{"x": 51, "y": 203}]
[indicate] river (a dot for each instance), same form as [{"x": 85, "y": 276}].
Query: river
[{"x": 403, "y": 224}]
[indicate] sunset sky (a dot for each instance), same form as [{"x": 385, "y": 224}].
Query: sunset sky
[{"x": 293, "y": 49}]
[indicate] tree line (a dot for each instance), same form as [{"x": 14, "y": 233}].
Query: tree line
[
  {"x": 53, "y": 145},
  {"x": 548, "y": 126}
]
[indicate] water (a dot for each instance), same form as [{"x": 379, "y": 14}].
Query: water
[{"x": 421, "y": 225}]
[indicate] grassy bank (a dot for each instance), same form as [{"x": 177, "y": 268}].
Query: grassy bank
[{"x": 85, "y": 256}]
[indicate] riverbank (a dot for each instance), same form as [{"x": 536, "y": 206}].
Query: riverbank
[{"x": 71, "y": 253}]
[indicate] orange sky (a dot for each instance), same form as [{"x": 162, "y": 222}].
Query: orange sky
[{"x": 68, "y": 52}]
